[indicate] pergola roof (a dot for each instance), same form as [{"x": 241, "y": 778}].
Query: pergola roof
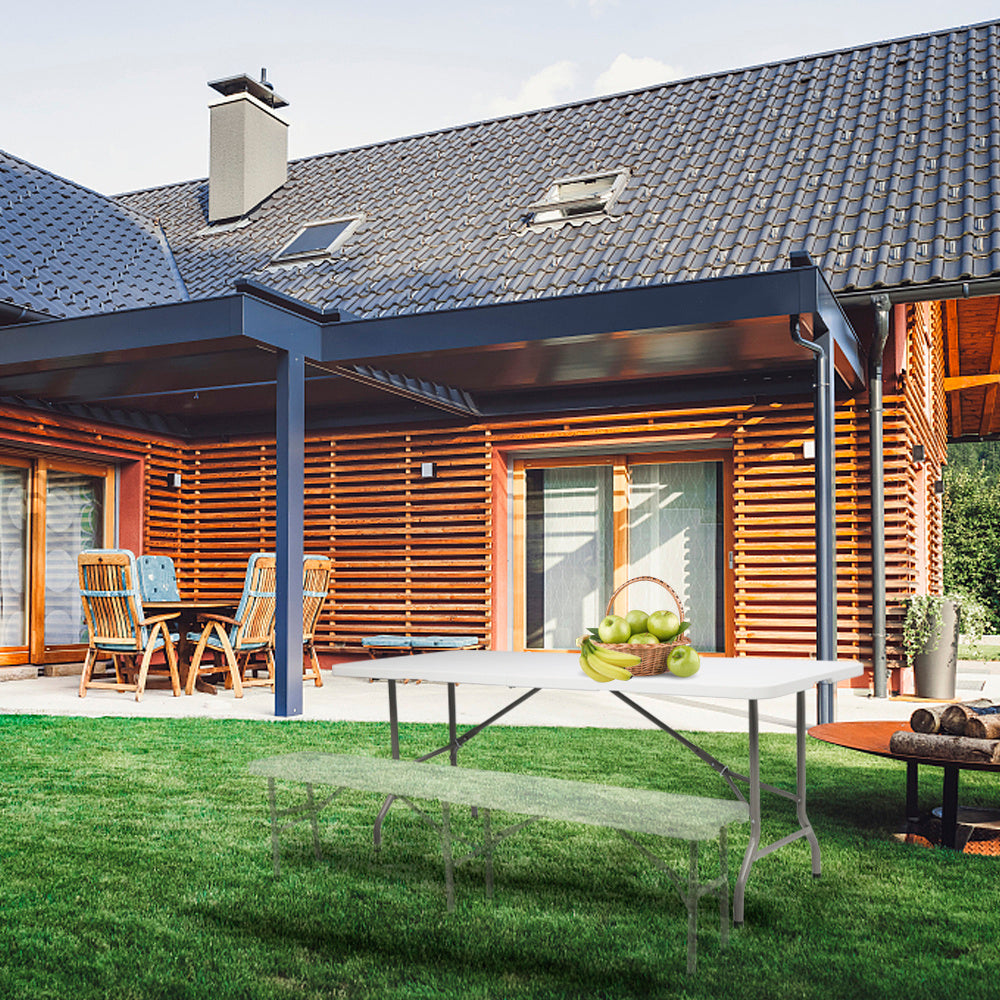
[{"x": 207, "y": 367}]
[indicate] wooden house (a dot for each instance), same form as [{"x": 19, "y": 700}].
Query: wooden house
[{"x": 540, "y": 356}]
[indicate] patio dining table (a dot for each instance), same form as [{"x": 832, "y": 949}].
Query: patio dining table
[
  {"x": 187, "y": 612},
  {"x": 749, "y": 679}
]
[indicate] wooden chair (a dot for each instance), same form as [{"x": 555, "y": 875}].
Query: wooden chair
[
  {"x": 250, "y": 632},
  {"x": 116, "y": 626},
  {"x": 157, "y": 578},
  {"x": 316, "y": 571}
]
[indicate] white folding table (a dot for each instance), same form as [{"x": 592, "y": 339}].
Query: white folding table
[{"x": 750, "y": 679}]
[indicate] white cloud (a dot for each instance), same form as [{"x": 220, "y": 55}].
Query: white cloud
[
  {"x": 551, "y": 85},
  {"x": 628, "y": 73}
]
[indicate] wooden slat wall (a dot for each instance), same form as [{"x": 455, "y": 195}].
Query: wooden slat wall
[
  {"x": 915, "y": 554},
  {"x": 411, "y": 554},
  {"x": 414, "y": 555}
]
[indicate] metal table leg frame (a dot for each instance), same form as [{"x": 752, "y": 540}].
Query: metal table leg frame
[
  {"x": 309, "y": 810},
  {"x": 484, "y": 850},
  {"x": 754, "y": 851},
  {"x": 692, "y": 889},
  {"x": 455, "y": 741}
]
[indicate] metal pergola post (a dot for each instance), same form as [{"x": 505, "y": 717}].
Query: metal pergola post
[
  {"x": 824, "y": 472},
  {"x": 826, "y": 523},
  {"x": 290, "y": 529}
]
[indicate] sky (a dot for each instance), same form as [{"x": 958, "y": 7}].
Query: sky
[{"x": 114, "y": 95}]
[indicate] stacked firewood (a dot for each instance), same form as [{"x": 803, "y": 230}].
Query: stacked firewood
[{"x": 965, "y": 731}]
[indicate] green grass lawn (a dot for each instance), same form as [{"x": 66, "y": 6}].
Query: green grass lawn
[
  {"x": 982, "y": 651},
  {"x": 135, "y": 863}
]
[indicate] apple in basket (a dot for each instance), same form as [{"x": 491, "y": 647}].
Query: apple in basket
[
  {"x": 664, "y": 625},
  {"x": 637, "y": 621},
  {"x": 644, "y": 639},
  {"x": 614, "y": 629},
  {"x": 683, "y": 661}
]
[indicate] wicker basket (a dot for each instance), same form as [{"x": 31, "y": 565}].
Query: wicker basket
[{"x": 652, "y": 659}]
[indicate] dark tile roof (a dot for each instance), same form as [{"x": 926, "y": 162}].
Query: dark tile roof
[
  {"x": 881, "y": 161},
  {"x": 68, "y": 251}
]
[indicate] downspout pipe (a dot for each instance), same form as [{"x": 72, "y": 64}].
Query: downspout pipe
[
  {"x": 883, "y": 306},
  {"x": 826, "y": 566}
]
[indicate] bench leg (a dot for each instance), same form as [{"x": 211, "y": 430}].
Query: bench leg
[
  {"x": 311, "y": 808},
  {"x": 313, "y": 821},
  {"x": 723, "y": 890},
  {"x": 449, "y": 862},
  {"x": 691, "y": 902}
]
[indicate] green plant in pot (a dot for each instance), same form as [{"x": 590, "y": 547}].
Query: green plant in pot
[{"x": 930, "y": 638}]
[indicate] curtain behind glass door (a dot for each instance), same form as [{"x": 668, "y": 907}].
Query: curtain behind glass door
[
  {"x": 13, "y": 557},
  {"x": 74, "y": 518},
  {"x": 676, "y": 535},
  {"x": 569, "y": 550}
]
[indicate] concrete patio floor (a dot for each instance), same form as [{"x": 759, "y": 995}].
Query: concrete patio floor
[{"x": 358, "y": 700}]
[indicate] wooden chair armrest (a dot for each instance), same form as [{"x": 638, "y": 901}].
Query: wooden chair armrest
[
  {"x": 207, "y": 617},
  {"x": 156, "y": 619}
]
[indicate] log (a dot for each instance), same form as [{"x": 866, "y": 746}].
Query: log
[
  {"x": 954, "y": 717},
  {"x": 944, "y": 747},
  {"x": 927, "y": 720},
  {"x": 983, "y": 727}
]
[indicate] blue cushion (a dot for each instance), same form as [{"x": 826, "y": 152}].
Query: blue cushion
[
  {"x": 120, "y": 647},
  {"x": 402, "y": 641},
  {"x": 446, "y": 641}
]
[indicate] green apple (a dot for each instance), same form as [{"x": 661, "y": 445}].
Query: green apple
[
  {"x": 663, "y": 624},
  {"x": 683, "y": 661},
  {"x": 637, "y": 621},
  {"x": 645, "y": 639},
  {"x": 614, "y": 628}
]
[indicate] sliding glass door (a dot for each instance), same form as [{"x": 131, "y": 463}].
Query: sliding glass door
[
  {"x": 51, "y": 510},
  {"x": 589, "y": 525}
]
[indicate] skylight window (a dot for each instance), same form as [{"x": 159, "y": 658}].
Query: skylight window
[
  {"x": 317, "y": 239},
  {"x": 579, "y": 197}
]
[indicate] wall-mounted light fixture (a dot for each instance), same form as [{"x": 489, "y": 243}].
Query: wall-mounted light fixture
[
  {"x": 174, "y": 480},
  {"x": 939, "y": 486},
  {"x": 809, "y": 448},
  {"x": 427, "y": 470},
  {"x": 917, "y": 453}
]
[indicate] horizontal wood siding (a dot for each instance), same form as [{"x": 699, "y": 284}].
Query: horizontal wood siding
[
  {"x": 914, "y": 547},
  {"x": 411, "y": 554}
]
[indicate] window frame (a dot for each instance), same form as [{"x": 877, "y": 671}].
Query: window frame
[
  {"x": 283, "y": 257},
  {"x": 553, "y": 208}
]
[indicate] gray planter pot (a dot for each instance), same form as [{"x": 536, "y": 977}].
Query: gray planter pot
[{"x": 934, "y": 669}]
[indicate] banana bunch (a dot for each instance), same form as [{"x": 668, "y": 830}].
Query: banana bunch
[{"x": 603, "y": 665}]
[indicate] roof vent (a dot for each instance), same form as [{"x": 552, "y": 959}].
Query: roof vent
[{"x": 248, "y": 155}]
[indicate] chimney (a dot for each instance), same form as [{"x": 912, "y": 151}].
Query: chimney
[{"x": 248, "y": 149}]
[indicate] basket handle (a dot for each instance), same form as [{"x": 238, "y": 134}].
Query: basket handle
[{"x": 651, "y": 579}]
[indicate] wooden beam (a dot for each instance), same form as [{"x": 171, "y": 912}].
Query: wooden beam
[
  {"x": 970, "y": 381},
  {"x": 988, "y": 416}
]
